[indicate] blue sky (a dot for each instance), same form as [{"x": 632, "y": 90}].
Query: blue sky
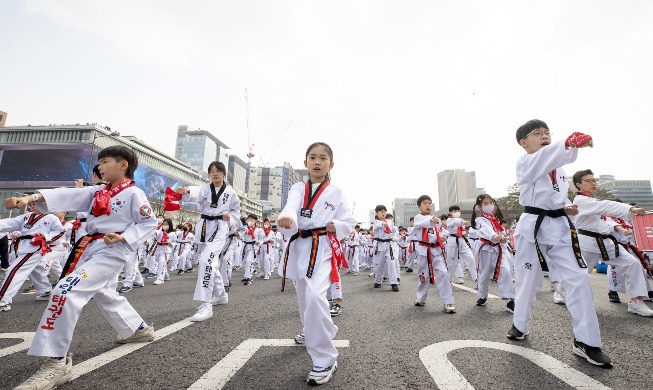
[{"x": 401, "y": 90}]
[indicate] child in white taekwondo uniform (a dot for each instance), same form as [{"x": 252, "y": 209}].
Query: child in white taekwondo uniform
[
  {"x": 546, "y": 238},
  {"x": 220, "y": 211},
  {"x": 227, "y": 254},
  {"x": 597, "y": 242},
  {"x": 185, "y": 241},
  {"x": 457, "y": 248},
  {"x": 248, "y": 253},
  {"x": 58, "y": 246},
  {"x": 412, "y": 248},
  {"x": 383, "y": 253},
  {"x": 395, "y": 249},
  {"x": 403, "y": 242},
  {"x": 165, "y": 237},
  {"x": 492, "y": 263},
  {"x": 316, "y": 217},
  {"x": 623, "y": 231},
  {"x": 133, "y": 277},
  {"x": 35, "y": 230},
  {"x": 120, "y": 218},
  {"x": 264, "y": 239},
  {"x": 353, "y": 243},
  {"x": 431, "y": 267}
]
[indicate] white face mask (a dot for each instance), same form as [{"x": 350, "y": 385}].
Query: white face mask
[
  {"x": 456, "y": 214},
  {"x": 488, "y": 209},
  {"x": 250, "y": 223},
  {"x": 164, "y": 227}
]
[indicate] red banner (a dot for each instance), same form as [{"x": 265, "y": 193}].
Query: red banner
[{"x": 643, "y": 227}]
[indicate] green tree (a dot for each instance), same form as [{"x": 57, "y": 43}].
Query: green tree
[{"x": 509, "y": 204}]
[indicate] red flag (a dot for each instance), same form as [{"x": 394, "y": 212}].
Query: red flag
[{"x": 172, "y": 201}]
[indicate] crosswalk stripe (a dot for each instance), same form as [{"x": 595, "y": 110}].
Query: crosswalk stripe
[
  {"x": 27, "y": 340},
  {"x": 472, "y": 290}
]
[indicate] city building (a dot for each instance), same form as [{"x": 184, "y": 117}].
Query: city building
[
  {"x": 403, "y": 209},
  {"x": 629, "y": 191},
  {"x": 272, "y": 184},
  {"x": 237, "y": 173},
  {"x": 303, "y": 173},
  {"x": 37, "y": 157},
  {"x": 3, "y": 118},
  {"x": 456, "y": 185},
  {"x": 199, "y": 148}
]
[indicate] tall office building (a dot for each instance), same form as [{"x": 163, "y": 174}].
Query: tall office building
[
  {"x": 237, "y": 173},
  {"x": 199, "y": 148},
  {"x": 456, "y": 185},
  {"x": 272, "y": 184},
  {"x": 629, "y": 191},
  {"x": 403, "y": 209}
]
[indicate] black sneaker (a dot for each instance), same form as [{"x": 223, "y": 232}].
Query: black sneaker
[
  {"x": 335, "y": 310},
  {"x": 516, "y": 334},
  {"x": 385, "y": 279},
  {"x": 481, "y": 302},
  {"x": 124, "y": 289},
  {"x": 181, "y": 271},
  {"x": 243, "y": 279},
  {"x": 189, "y": 270},
  {"x": 377, "y": 285},
  {"x": 510, "y": 307},
  {"x": 613, "y": 297},
  {"x": 592, "y": 354},
  {"x": 409, "y": 270},
  {"x": 395, "y": 288},
  {"x": 247, "y": 282}
]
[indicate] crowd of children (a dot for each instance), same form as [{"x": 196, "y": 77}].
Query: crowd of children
[{"x": 316, "y": 237}]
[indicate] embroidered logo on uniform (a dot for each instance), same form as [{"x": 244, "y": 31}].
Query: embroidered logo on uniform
[
  {"x": 145, "y": 210},
  {"x": 117, "y": 205},
  {"x": 82, "y": 273},
  {"x": 422, "y": 278},
  {"x": 328, "y": 205},
  {"x": 528, "y": 266}
]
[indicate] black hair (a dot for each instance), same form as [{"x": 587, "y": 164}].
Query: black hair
[
  {"x": 422, "y": 199},
  {"x": 96, "y": 171},
  {"x": 444, "y": 217},
  {"x": 578, "y": 177},
  {"x": 412, "y": 219},
  {"x": 254, "y": 217},
  {"x": 357, "y": 226},
  {"x": 526, "y": 128},
  {"x": 454, "y": 208},
  {"x": 633, "y": 204},
  {"x": 618, "y": 200},
  {"x": 169, "y": 222},
  {"x": 388, "y": 215},
  {"x": 180, "y": 227},
  {"x": 380, "y": 208},
  {"x": 121, "y": 153},
  {"x": 497, "y": 211},
  {"x": 402, "y": 228},
  {"x": 329, "y": 152},
  {"x": 243, "y": 220},
  {"x": 274, "y": 227},
  {"x": 219, "y": 166}
]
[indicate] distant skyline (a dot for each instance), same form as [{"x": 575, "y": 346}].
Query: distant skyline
[{"x": 400, "y": 90}]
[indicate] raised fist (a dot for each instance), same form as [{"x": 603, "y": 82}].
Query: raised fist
[{"x": 578, "y": 140}]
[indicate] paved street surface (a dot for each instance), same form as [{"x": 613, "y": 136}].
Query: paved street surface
[{"x": 383, "y": 330}]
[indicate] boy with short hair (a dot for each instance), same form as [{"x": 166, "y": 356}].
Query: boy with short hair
[
  {"x": 458, "y": 249},
  {"x": 383, "y": 254},
  {"x": 120, "y": 219}
]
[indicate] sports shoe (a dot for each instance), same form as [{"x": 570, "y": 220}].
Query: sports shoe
[
  {"x": 420, "y": 303},
  {"x": 510, "y": 306},
  {"x": 638, "y": 307},
  {"x": 124, "y": 289},
  {"x": 43, "y": 297},
  {"x": 299, "y": 339},
  {"x": 335, "y": 310},
  {"x": 449, "y": 308},
  {"x": 613, "y": 296},
  {"x": 243, "y": 279},
  {"x": 149, "y": 275},
  {"x": 5, "y": 306},
  {"x": 204, "y": 312},
  {"x": 144, "y": 335},
  {"x": 558, "y": 298},
  {"x": 157, "y": 282},
  {"x": 377, "y": 285},
  {"x": 516, "y": 334},
  {"x": 321, "y": 375},
  {"x": 29, "y": 290},
  {"x": 398, "y": 280},
  {"x": 51, "y": 374},
  {"x": 220, "y": 299},
  {"x": 266, "y": 277},
  {"x": 409, "y": 270},
  {"x": 355, "y": 273},
  {"x": 592, "y": 354},
  {"x": 371, "y": 274},
  {"x": 137, "y": 285},
  {"x": 179, "y": 272},
  {"x": 247, "y": 282},
  {"x": 189, "y": 270},
  {"x": 395, "y": 288},
  {"x": 481, "y": 302},
  {"x": 650, "y": 297}
]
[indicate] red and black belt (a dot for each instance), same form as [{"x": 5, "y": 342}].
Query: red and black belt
[
  {"x": 429, "y": 257},
  {"x": 642, "y": 258},
  {"x": 77, "y": 251},
  {"x": 497, "y": 268}
]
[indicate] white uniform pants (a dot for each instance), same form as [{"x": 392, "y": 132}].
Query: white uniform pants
[
  {"x": 184, "y": 261},
  {"x": 440, "y": 275},
  {"x": 53, "y": 262},
  {"x": 335, "y": 291},
  {"x": 353, "y": 256},
  {"x": 318, "y": 328},
  {"x": 209, "y": 280},
  {"x": 460, "y": 255},
  {"x": 95, "y": 278},
  {"x": 132, "y": 273},
  {"x": 384, "y": 262},
  {"x": 573, "y": 279},
  {"x": 411, "y": 257},
  {"x": 238, "y": 254},
  {"x": 227, "y": 262},
  {"x": 26, "y": 264},
  {"x": 161, "y": 257},
  {"x": 630, "y": 267},
  {"x": 263, "y": 257},
  {"x": 150, "y": 263},
  {"x": 248, "y": 260},
  {"x": 487, "y": 262}
]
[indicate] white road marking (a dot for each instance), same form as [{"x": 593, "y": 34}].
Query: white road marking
[
  {"x": 100, "y": 360},
  {"x": 225, "y": 369},
  {"x": 25, "y": 336},
  {"x": 447, "y": 377},
  {"x": 460, "y": 286}
]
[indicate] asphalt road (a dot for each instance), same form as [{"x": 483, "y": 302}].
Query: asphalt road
[{"x": 384, "y": 329}]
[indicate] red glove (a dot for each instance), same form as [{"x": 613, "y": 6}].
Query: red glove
[
  {"x": 172, "y": 200},
  {"x": 578, "y": 140}
]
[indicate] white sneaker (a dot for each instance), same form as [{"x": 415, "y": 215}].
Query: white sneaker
[
  {"x": 157, "y": 282},
  {"x": 321, "y": 375},
  {"x": 221, "y": 299},
  {"x": 204, "y": 312},
  {"x": 299, "y": 339},
  {"x": 558, "y": 298},
  {"x": 266, "y": 277},
  {"x": 5, "y": 306},
  {"x": 51, "y": 374},
  {"x": 140, "y": 336},
  {"x": 449, "y": 308},
  {"x": 43, "y": 297},
  {"x": 638, "y": 307}
]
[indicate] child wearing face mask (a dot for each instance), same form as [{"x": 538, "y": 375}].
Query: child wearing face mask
[
  {"x": 264, "y": 239},
  {"x": 165, "y": 237},
  {"x": 492, "y": 250},
  {"x": 249, "y": 250},
  {"x": 457, "y": 248}
]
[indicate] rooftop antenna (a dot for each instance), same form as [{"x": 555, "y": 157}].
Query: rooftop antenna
[{"x": 250, "y": 145}]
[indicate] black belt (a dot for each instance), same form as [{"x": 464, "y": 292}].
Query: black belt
[
  {"x": 383, "y": 239},
  {"x": 599, "y": 240},
  {"x": 315, "y": 234},
  {"x": 541, "y": 213},
  {"x": 82, "y": 220},
  {"x": 203, "y": 231},
  {"x": 392, "y": 255}
]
